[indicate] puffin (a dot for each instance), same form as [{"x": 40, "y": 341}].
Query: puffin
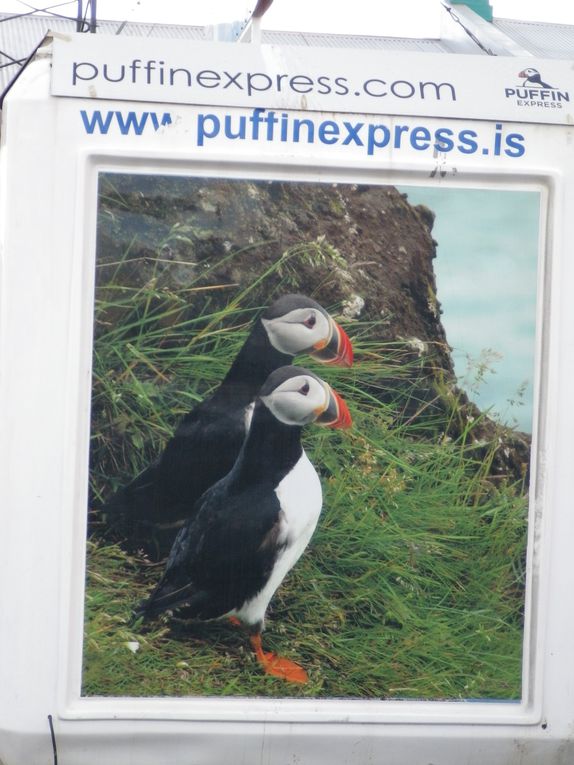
[
  {"x": 208, "y": 439},
  {"x": 250, "y": 528},
  {"x": 533, "y": 77}
]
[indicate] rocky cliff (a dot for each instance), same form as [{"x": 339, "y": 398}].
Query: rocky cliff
[{"x": 362, "y": 250}]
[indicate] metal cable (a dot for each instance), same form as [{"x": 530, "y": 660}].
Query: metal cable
[
  {"x": 47, "y": 10},
  {"x": 53, "y": 737},
  {"x": 472, "y": 36}
]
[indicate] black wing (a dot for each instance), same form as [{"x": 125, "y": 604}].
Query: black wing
[
  {"x": 224, "y": 556},
  {"x": 148, "y": 511},
  {"x": 203, "y": 450}
]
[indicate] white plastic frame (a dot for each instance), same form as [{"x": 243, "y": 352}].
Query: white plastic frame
[{"x": 47, "y": 229}]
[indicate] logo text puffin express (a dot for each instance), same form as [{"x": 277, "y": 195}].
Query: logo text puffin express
[{"x": 535, "y": 92}]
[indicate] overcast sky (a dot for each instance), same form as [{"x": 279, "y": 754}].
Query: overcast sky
[{"x": 389, "y": 17}]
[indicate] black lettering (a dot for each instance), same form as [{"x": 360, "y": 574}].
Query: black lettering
[
  {"x": 409, "y": 92},
  {"x": 280, "y": 78},
  {"x": 367, "y": 88},
  {"x": 232, "y": 80},
  {"x": 172, "y": 73},
  {"x": 252, "y": 82},
  {"x": 436, "y": 89},
  {"x": 325, "y": 87},
  {"x": 89, "y": 75},
  {"x": 207, "y": 78},
  {"x": 341, "y": 83},
  {"x": 122, "y": 74},
  {"x": 301, "y": 84}
]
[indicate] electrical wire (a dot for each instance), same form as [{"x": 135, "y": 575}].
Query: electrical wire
[
  {"x": 13, "y": 61},
  {"x": 47, "y": 10},
  {"x": 33, "y": 10},
  {"x": 53, "y": 737},
  {"x": 471, "y": 34}
]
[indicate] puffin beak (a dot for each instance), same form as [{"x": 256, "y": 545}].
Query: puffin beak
[
  {"x": 335, "y": 349},
  {"x": 336, "y": 413}
]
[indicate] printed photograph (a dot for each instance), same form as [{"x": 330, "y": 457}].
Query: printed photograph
[{"x": 311, "y": 429}]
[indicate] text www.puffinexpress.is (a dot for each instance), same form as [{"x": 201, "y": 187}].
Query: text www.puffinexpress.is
[{"x": 263, "y": 125}]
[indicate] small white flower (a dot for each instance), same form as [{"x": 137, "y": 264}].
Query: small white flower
[
  {"x": 353, "y": 307},
  {"x": 417, "y": 345}
]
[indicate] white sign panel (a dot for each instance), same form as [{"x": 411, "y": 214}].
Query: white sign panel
[
  {"x": 267, "y": 76},
  {"x": 176, "y": 191}
]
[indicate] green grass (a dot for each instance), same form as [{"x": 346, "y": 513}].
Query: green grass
[{"x": 413, "y": 583}]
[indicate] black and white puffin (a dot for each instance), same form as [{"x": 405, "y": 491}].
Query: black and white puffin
[
  {"x": 208, "y": 439},
  {"x": 533, "y": 77},
  {"x": 251, "y": 527}
]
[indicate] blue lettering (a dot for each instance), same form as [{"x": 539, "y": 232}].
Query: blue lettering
[
  {"x": 131, "y": 121},
  {"x": 378, "y": 136},
  {"x": 443, "y": 140},
  {"x": 328, "y": 132},
  {"x": 353, "y": 133},
  {"x": 467, "y": 144},
  {"x": 207, "y": 132},
  {"x": 515, "y": 142},
  {"x": 420, "y": 138},
  {"x": 96, "y": 121}
]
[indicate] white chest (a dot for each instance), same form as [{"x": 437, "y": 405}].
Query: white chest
[{"x": 300, "y": 497}]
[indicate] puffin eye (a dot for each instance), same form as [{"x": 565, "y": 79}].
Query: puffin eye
[
  {"x": 304, "y": 389},
  {"x": 310, "y": 321}
]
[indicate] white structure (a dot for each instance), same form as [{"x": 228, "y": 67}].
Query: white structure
[
  {"x": 462, "y": 30},
  {"x": 90, "y": 104}
]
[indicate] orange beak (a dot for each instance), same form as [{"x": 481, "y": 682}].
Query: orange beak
[
  {"x": 336, "y": 349},
  {"x": 336, "y": 414}
]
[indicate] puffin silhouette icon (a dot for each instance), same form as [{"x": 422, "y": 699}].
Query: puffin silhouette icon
[{"x": 532, "y": 77}]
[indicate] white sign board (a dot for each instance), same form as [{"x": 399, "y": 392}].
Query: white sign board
[
  {"x": 321, "y": 79},
  {"x": 175, "y": 190}
]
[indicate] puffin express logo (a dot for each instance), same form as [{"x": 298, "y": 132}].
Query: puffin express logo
[{"x": 535, "y": 92}]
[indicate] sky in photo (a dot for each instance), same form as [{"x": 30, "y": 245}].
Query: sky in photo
[{"x": 486, "y": 272}]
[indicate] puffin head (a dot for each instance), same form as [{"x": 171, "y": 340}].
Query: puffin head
[
  {"x": 296, "y": 324},
  {"x": 296, "y": 396},
  {"x": 528, "y": 72}
]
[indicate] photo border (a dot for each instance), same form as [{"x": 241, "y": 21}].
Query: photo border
[{"x": 527, "y": 711}]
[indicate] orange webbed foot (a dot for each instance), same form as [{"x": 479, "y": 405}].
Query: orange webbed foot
[{"x": 278, "y": 666}]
